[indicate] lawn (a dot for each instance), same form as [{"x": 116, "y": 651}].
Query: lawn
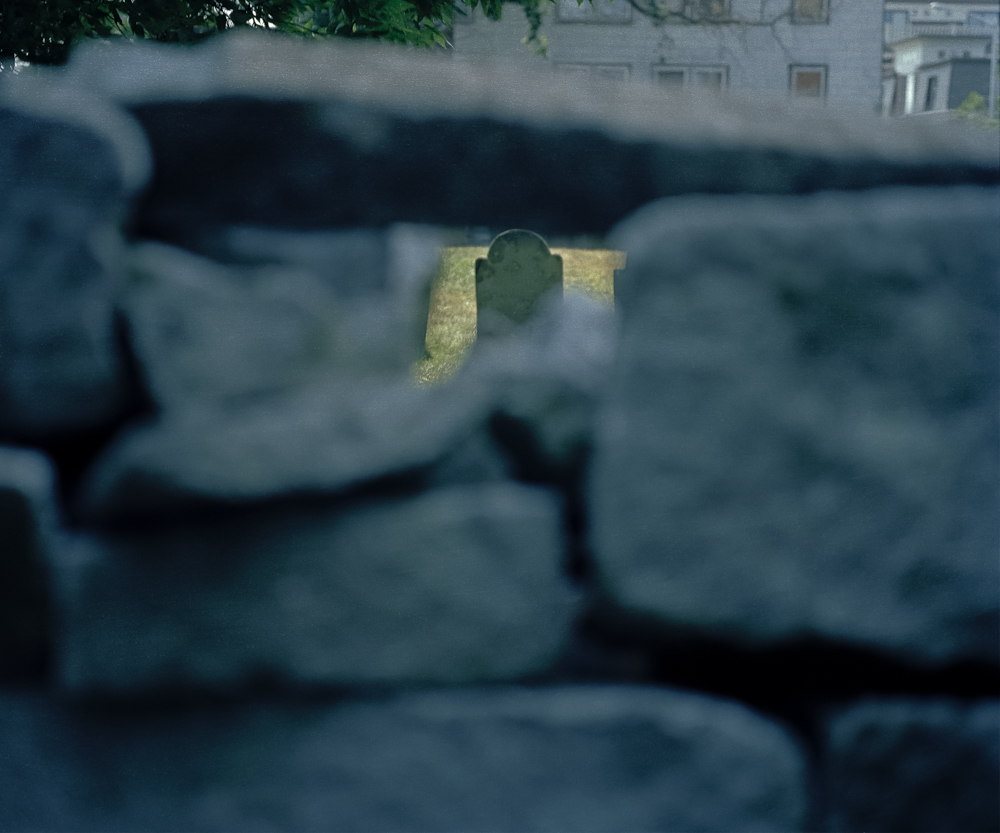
[{"x": 451, "y": 324}]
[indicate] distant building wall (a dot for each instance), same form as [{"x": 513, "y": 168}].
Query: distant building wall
[
  {"x": 968, "y": 76},
  {"x": 835, "y": 56}
]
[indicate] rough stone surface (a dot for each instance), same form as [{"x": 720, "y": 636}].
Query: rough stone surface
[
  {"x": 381, "y": 278},
  {"x": 800, "y": 436},
  {"x": 456, "y": 585},
  {"x": 203, "y": 332},
  {"x": 339, "y": 135},
  {"x": 65, "y": 175},
  {"x": 328, "y": 438},
  {"x": 915, "y": 765},
  {"x": 590, "y": 759},
  {"x": 27, "y": 519},
  {"x": 512, "y": 280},
  {"x": 545, "y": 381},
  {"x": 206, "y": 332}
]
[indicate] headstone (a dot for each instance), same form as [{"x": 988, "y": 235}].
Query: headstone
[{"x": 511, "y": 280}]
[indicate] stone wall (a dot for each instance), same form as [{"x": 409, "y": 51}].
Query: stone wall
[{"x": 723, "y": 558}]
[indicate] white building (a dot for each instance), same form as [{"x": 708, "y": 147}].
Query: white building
[
  {"x": 938, "y": 52},
  {"x": 820, "y": 49}
]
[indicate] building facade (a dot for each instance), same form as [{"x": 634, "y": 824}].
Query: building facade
[
  {"x": 936, "y": 54},
  {"x": 824, "y": 50}
]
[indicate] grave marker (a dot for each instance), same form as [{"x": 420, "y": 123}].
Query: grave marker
[{"x": 511, "y": 280}]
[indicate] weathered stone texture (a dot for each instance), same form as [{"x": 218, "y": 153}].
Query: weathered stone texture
[
  {"x": 202, "y": 332},
  {"x": 324, "y": 439},
  {"x": 782, "y": 437},
  {"x": 456, "y": 585},
  {"x": 594, "y": 758},
  {"x": 920, "y": 765},
  {"x": 27, "y": 523},
  {"x": 800, "y": 436},
  {"x": 545, "y": 380},
  {"x": 333, "y": 437},
  {"x": 63, "y": 190},
  {"x": 352, "y": 136}
]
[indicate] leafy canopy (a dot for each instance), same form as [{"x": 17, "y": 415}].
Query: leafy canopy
[{"x": 44, "y": 31}]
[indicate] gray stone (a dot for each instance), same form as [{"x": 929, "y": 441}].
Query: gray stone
[
  {"x": 914, "y": 765},
  {"x": 203, "y": 332},
  {"x": 585, "y": 759},
  {"x": 351, "y": 262},
  {"x": 454, "y": 586},
  {"x": 374, "y": 273},
  {"x": 208, "y": 332},
  {"x": 324, "y": 439},
  {"x": 800, "y": 437},
  {"x": 66, "y": 172},
  {"x": 511, "y": 281},
  {"x": 548, "y": 377},
  {"x": 334, "y": 437},
  {"x": 27, "y": 521},
  {"x": 339, "y": 135}
]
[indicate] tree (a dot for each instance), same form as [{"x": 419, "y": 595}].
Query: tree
[{"x": 44, "y": 31}]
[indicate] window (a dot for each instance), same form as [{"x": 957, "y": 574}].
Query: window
[
  {"x": 807, "y": 81},
  {"x": 600, "y": 11},
  {"x": 987, "y": 19},
  {"x": 714, "y": 78},
  {"x": 707, "y": 9},
  {"x": 601, "y": 72},
  {"x": 809, "y": 11},
  {"x": 930, "y": 98}
]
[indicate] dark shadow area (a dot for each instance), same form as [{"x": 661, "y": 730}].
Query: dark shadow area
[
  {"x": 72, "y": 453},
  {"x": 795, "y": 681},
  {"x": 210, "y": 154},
  {"x": 530, "y": 465}
]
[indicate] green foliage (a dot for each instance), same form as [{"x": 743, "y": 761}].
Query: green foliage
[
  {"x": 975, "y": 111},
  {"x": 44, "y": 31}
]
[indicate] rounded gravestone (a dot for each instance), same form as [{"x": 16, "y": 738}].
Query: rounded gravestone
[{"x": 512, "y": 279}]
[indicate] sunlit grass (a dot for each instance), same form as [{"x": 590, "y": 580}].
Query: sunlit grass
[{"x": 451, "y": 324}]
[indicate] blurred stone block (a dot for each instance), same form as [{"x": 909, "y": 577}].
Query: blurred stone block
[
  {"x": 381, "y": 278},
  {"x": 801, "y": 434},
  {"x": 229, "y": 334},
  {"x": 203, "y": 332},
  {"x": 68, "y": 167},
  {"x": 325, "y": 439},
  {"x": 454, "y": 586},
  {"x": 930, "y": 766},
  {"x": 27, "y": 520},
  {"x": 547, "y": 379},
  {"x": 584, "y": 759},
  {"x": 261, "y": 131}
]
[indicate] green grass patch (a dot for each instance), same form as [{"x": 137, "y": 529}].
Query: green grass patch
[{"x": 451, "y": 323}]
